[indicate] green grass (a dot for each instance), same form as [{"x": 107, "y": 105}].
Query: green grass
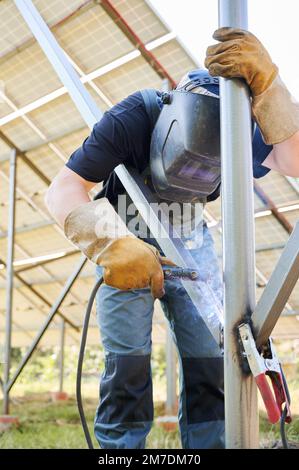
[
  {"x": 48, "y": 425},
  {"x": 270, "y": 436}
]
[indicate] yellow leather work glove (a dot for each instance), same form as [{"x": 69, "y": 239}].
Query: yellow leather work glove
[
  {"x": 128, "y": 262},
  {"x": 241, "y": 55}
]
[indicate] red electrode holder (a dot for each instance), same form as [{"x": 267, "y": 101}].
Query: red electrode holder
[{"x": 262, "y": 365}]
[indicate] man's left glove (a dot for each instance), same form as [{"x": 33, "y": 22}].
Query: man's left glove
[{"x": 241, "y": 55}]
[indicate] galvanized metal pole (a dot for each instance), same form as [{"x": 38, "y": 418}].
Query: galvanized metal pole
[
  {"x": 9, "y": 277},
  {"x": 171, "y": 375},
  {"x": 241, "y": 416},
  {"x": 61, "y": 355}
]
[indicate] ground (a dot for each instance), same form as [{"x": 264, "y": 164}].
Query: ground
[{"x": 44, "y": 424}]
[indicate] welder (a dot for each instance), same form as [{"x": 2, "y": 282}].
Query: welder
[{"x": 173, "y": 141}]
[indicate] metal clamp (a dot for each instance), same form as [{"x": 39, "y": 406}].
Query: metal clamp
[{"x": 261, "y": 365}]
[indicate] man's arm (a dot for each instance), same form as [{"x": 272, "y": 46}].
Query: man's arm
[
  {"x": 284, "y": 157},
  {"x": 66, "y": 192},
  {"x": 95, "y": 228},
  {"x": 241, "y": 54}
]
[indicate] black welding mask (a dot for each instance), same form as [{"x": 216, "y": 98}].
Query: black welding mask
[{"x": 185, "y": 145}]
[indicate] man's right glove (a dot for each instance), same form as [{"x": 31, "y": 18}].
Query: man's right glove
[
  {"x": 129, "y": 263},
  {"x": 241, "y": 55}
]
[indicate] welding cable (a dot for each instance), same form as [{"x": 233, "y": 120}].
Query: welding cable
[
  {"x": 284, "y": 413},
  {"x": 169, "y": 273},
  {"x": 80, "y": 361}
]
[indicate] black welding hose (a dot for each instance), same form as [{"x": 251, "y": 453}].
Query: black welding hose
[
  {"x": 80, "y": 361},
  {"x": 284, "y": 413},
  {"x": 169, "y": 273},
  {"x": 282, "y": 428}
]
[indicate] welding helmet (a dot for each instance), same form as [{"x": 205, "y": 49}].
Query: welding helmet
[{"x": 185, "y": 145}]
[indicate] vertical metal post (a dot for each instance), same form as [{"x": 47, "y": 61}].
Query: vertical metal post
[
  {"x": 9, "y": 277},
  {"x": 171, "y": 375},
  {"x": 241, "y": 415},
  {"x": 61, "y": 355}
]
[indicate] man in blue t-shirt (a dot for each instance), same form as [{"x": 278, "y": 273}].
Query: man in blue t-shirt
[{"x": 131, "y": 266}]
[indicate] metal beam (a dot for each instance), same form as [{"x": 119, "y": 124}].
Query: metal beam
[
  {"x": 86, "y": 5},
  {"x": 70, "y": 79},
  {"x": 40, "y": 283},
  {"x": 61, "y": 355},
  {"x": 54, "y": 309},
  {"x": 130, "y": 34},
  {"x": 294, "y": 182},
  {"x": 32, "y": 303},
  {"x": 272, "y": 207},
  {"x": 88, "y": 109},
  {"x": 41, "y": 297},
  {"x": 171, "y": 374},
  {"x": 241, "y": 411},
  {"x": 47, "y": 261},
  {"x": 18, "y": 327},
  {"x": 277, "y": 290},
  {"x": 29, "y": 228},
  {"x": 101, "y": 71},
  {"x": 290, "y": 313},
  {"x": 9, "y": 279},
  {"x": 26, "y": 160},
  {"x": 271, "y": 247}
]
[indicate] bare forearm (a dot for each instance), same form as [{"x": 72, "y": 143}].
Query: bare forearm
[
  {"x": 66, "y": 192},
  {"x": 284, "y": 157}
]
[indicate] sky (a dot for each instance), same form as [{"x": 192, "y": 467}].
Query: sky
[{"x": 274, "y": 22}]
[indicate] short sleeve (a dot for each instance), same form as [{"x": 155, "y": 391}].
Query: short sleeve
[
  {"x": 260, "y": 152},
  {"x": 101, "y": 152}
]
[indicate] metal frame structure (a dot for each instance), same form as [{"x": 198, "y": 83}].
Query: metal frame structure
[
  {"x": 277, "y": 290},
  {"x": 237, "y": 192},
  {"x": 137, "y": 190},
  {"x": 92, "y": 114},
  {"x": 145, "y": 51},
  {"x": 136, "y": 41},
  {"x": 241, "y": 421},
  {"x": 9, "y": 276},
  {"x": 61, "y": 355}
]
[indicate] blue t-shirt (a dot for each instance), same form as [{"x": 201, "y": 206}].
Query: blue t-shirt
[{"x": 123, "y": 135}]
